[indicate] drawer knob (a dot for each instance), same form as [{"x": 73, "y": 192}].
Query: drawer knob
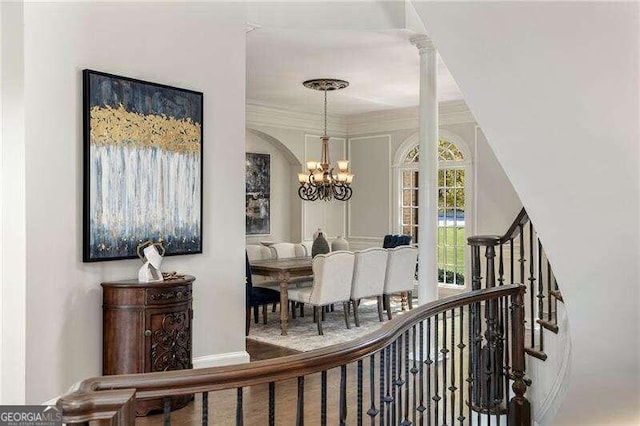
[
  {"x": 147, "y": 333},
  {"x": 179, "y": 295}
]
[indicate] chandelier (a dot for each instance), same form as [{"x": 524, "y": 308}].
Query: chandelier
[{"x": 320, "y": 182}]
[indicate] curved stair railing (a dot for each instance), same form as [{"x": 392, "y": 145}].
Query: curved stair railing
[
  {"x": 521, "y": 251},
  {"x": 421, "y": 368}
]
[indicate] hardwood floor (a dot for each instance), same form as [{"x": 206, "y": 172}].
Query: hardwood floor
[{"x": 259, "y": 351}]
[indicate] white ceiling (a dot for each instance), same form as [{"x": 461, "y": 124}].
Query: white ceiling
[{"x": 383, "y": 69}]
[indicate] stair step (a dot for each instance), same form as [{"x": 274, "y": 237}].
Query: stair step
[
  {"x": 536, "y": 353},
  {"x": 557, "y": 294},
  {"x": 548, "y": 325}
]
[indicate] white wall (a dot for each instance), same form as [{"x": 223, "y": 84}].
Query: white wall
[
  {"x": 370, "y": 207},
  {"x": 177, "y": 44},
  {"x": 496, "y": 202},
  {"x": 555, "y": 88}
]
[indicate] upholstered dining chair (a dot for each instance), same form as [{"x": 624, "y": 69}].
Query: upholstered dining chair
[
  {"x": 399, "y": 277},
  {"x": 332, "y": 277},
  {"x": 257, "y": 252},
  {"x": 286, "y": 250},
  {"x": 256, "y": 297},
  {"x": 369, "y": 270}
]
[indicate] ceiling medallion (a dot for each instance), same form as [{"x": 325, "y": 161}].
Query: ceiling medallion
[{"x": 320, "y": 183}]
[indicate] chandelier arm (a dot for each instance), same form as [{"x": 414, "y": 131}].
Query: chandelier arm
[{"x": 308, "y": 192}]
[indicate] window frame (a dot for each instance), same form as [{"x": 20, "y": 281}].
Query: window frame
[{"x": 399, "y": 166}]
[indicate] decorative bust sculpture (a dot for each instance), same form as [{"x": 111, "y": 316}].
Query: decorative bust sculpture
[{"x": 150, "y": 271}]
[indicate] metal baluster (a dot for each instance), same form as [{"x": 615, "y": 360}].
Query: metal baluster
[
  {"x": 389, "y": 385},
  {"x": 522, "y": 259},
  {"x": 343, "y": 395},
  {"x": 359, "y": 385},
  {"x": 540, "y": 294},
  {"x": 428, "y": 361},
  {"x": 532, "y": 280},
  {"x": 394, "y": 380},
  {"x": 436, "y": 397},
  {"x": 511, "y": 260},
  {"x": 272, "y": 404},
  {"x": 382, "y": 386},
  {"x": 453, "y": 387},
  {"x": 414, "y": 372},
  {"x": 406, "y": 421},
  {"x": 549, "y": 291},
  {"x": 461, "y": 346},
  {"x": 400, "y": 381},
  {"x": 205, "y": 408},
  {"x": 443, "y": 355},
  {"x": 501, "y": 266},
  {"x": 470, "y": 365},
  {"x": 239, "y": 411},
  {"x": 421, "y": 407},
  {"x": 372, "y": 412},
  {"x": 300, "y": 410},
  {"x": 507, "y": 351},
  {"x": 323, "y": 399},
  {"x": 167, "y": 410}
]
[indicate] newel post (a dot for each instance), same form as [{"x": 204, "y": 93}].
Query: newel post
[{"x": 519, "y": 406}]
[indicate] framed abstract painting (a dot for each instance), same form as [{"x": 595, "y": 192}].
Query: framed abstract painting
[
  {"x": 258, "y": 194},
  {"x": 142, "y": 167}
]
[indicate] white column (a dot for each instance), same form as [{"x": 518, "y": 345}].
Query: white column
[
  {"x": 13, "y": 254},
  {"x": 428, "y": 184}
]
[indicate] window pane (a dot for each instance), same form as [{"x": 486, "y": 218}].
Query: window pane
[
  {"x": 441, "y": 177},
  {"x": 415, "y": 216},
  {"x": 441, "y": 198},
  {"x": 406, "y": 216},
  {"x": 415, "y": 180},
  {"x": 449, "y": 177},
  {"x": 406, "y": 179},
  {"x": 406, "y": 197},
  {"x": 406, "y": 230},
  {"x": 415, "y": 197}
]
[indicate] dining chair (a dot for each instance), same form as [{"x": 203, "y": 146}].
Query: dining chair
[
  {"x": 256, "y": 297},
  {"x": 286, "y": 250},
  {"x": 369, "y": 270},
  {"x": 257, "y": 252},
  {"x": 400, "y": 272},
  {"x": 332, "y": 277}
]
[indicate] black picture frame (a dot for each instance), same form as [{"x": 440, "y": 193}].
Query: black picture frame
[
  {"x": 258, "y": 194},
  {"x": 171, "y": 121}
]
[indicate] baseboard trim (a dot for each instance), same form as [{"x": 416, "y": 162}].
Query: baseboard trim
[{"x": 219, "y": 360}]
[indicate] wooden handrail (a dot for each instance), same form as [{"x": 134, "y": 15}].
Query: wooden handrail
[
  {"x": 514, "y": 229},
  {"x": 90, "y": 393}
]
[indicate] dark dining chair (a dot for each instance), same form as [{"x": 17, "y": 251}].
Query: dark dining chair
[
  {"x": 256, "y": 297},
  {"x": 392, "y": 241}
]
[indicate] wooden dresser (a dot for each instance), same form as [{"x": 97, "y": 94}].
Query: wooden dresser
[{"x": 147, "y": 328}]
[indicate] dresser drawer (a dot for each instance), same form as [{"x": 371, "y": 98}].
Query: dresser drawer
[{"x": 159, "y": 296}]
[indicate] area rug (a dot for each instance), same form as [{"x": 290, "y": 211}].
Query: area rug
[{"x": 303, "y": 332}]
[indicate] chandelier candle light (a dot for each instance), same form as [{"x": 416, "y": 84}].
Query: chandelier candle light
[{"x": 320, "y": 182}]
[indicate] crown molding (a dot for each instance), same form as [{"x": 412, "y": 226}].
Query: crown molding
[
  {"x": 453, "y": 112},
  {"x": 260, "y": 114}
]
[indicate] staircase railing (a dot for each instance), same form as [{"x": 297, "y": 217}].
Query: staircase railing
[
  {"x": 517, "y": 247},
  {"x": 421, "y": 368}
]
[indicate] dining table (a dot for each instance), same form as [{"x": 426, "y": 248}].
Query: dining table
[{"x": 283, "y": 270}]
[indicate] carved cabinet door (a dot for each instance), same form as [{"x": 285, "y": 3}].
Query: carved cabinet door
[{"x": 168, "y": 336}]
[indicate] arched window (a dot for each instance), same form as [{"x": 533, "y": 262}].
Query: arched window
[{"x": 452, "y": 205}]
